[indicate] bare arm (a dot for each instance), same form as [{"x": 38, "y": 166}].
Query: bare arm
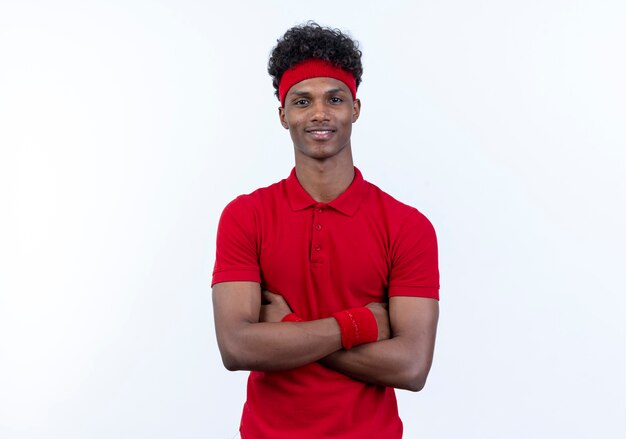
[
  {"x": 246, "y": 343},
  {"x": 404, "y": 360}
]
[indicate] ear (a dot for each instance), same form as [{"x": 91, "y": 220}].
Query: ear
[
  {"x": 283, "y": 118},
  {"x": 356, "y": 110}
]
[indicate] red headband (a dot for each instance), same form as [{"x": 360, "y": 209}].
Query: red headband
[{"x": 313, "y": 68}]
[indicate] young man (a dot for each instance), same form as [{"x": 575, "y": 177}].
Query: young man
[{"x": 324, "y": 286}]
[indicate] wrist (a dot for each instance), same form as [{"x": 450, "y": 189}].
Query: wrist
[
  {"x": 291, "y": 317},
  {"x": 358, "y": 326}
]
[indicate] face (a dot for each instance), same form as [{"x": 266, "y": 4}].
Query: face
[{"x": 319, "y": 113}]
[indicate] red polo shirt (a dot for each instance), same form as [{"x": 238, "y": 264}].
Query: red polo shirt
[{"x": 362, "y": 247}]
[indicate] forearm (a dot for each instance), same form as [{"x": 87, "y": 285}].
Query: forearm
[
  {"x": 404, "y": 360},
  {"x": 389, "y": 363},
  {"x": 279, "y": 346}
]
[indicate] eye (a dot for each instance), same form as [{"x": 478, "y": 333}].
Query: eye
[
  {"x": 336, "y": 100},
  {"x": 301, "y": 102}
]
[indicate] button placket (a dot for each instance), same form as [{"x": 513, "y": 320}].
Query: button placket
[{"x": 317, "y": 243}]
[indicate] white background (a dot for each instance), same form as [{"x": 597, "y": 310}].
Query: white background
[{"x": 126, "y": 126}]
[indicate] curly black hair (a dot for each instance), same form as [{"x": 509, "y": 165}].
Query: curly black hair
[{"x": 310, "y": 40}]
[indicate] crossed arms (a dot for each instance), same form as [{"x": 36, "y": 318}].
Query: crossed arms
[{"x": 251, "y": 336}]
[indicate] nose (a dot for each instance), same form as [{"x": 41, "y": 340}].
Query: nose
[{"x": 319, "y": 111}]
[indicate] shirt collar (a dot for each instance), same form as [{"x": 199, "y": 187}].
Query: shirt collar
[{"x": 347, "y": 203}]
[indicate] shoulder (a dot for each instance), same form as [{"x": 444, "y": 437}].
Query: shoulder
[
  {"x": 244, "y": 215},
  {"x": 258, "y": 200},
  {"x": 396, "y": 212}
]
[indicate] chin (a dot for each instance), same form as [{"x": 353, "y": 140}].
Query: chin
[{"x": 321, "y": 152}]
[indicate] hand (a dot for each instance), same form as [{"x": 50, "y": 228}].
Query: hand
[
  {"x": 382, "y": 319},
  {"x": 274, "y": 307}
]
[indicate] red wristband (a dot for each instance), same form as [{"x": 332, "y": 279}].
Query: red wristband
[
  {"x": 358, "y": 326},
  {"x": 291, "y": 317}
]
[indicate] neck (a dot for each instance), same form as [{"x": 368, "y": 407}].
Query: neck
[{"x": 325, "y": 180}]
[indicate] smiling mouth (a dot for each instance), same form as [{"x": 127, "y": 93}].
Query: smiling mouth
[
  {"x": 321, "y": 134},
  {"x": 321, "y": 131}
]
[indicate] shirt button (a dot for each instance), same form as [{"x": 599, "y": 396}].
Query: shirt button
[
  {"x": 318, "y": 227},
  {"x": 319, "y": 210},
  {"x": 318, "y": 248}
]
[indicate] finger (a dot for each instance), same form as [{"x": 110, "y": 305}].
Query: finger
[
  {"x": 268, "y": 295},
  {"x": 265, "y": 297},
  {"x": 377, "y": 305}
]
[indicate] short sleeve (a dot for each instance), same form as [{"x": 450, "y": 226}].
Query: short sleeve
[
  {"x": 236, "y": 256},
  {"x": 414, "y": 264}
]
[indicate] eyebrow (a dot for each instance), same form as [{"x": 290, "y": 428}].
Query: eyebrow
[{"x": 335, "y": 90}]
